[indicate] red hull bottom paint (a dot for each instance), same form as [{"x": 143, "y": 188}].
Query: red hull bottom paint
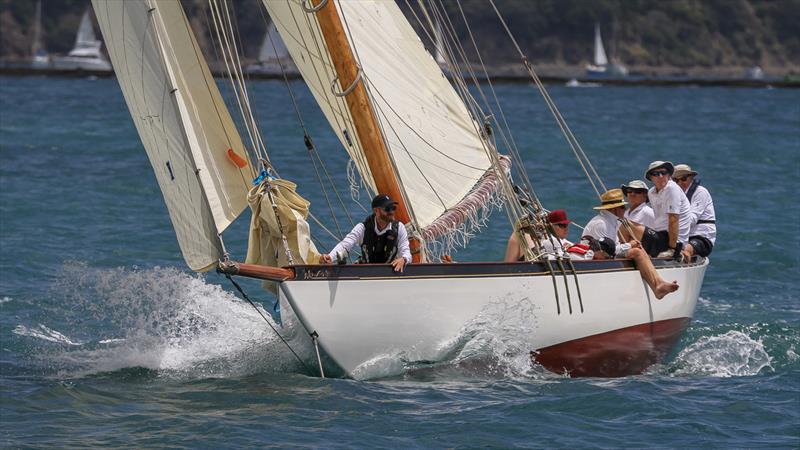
[{"x": 618, "y": 353}]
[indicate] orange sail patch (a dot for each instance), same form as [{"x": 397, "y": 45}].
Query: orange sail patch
[{"x": 236, "y": 159}]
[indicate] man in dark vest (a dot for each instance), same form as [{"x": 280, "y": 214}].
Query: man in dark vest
[{"x": 383, "y": 240}]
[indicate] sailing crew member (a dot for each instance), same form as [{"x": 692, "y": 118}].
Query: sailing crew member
[
  {"x": 638, "y": 211},
  {"x": 671, "y": 212},
  {"x": 603, "y": 234},
  {"x": 382, "y": 238},
  {"x": 556, "y": 243},
  {"x": 703, "y": 231}
]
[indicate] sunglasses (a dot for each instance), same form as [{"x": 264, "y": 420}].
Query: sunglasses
[
  {"x": 561, "y": 225},
  {"x": 658, "y": 173},
  {"x": 390, "y": 208},
  {"x": 681, "y": 178}
]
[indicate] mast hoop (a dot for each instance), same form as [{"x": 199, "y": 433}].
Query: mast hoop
[
  {"x": 314, "y": 9},
  {"x": 350, "y": 88}
]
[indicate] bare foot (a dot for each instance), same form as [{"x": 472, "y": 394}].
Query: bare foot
[{"x": 665, "y": 288}]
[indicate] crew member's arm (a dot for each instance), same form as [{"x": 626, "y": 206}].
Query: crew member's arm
[
  {"x": 403, "y": 249},
  {"x": 673, "y": 230},
  {"x": 355, "y": 237}
]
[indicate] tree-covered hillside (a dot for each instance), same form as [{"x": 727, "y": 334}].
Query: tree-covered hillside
[{"x": 642, "y": 33}]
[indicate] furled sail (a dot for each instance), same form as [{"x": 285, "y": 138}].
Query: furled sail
[
  {"x": 436, "y": 146},
  {"x": 191, "y": 141}
]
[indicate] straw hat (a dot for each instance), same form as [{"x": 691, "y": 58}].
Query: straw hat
[
  {"x": 634, "y": 185},
  {"x": 682, "y": 170},
  {"x": 611, "y": 199},
  {"x": 658, "y": 165}
]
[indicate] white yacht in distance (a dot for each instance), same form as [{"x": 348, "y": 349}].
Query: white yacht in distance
[
  {"x": 40, "y": 58},
  {"x": 601, "y": 68},
  {"x": 86, "y": 54},
  {"x": 273, "y": 56}
]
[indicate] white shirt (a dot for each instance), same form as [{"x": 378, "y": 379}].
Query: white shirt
[
  {"x": 643, "y": 215},
  {"x": 702, "y": 208},
  {"x": 356, "y": 237},
  {"x": 603, "y": 225},
  {"x": 671, "y": 200},
  {"x": 606, "y": 225}
]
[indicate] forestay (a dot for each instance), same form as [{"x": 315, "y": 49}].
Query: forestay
[
  {"x": 435, "y": 144},
  {"x": 181, "y": 119}
]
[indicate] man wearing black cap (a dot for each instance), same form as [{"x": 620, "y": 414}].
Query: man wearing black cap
[{"x": 382, "y": 238}]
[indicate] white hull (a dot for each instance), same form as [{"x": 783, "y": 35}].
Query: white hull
[
  {"x": 360, "y": 322},
  {"x": 81, "y": 63}
]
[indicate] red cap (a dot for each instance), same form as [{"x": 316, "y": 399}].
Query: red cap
[{"x": 558, "y": 216}]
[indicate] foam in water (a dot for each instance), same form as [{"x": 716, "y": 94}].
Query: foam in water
[
  {"x": 160, "y": 319},
  {"x": 727, "y": 355},
  {"x": 44, "y": 333},
  {"x": 5, "y": 299}
]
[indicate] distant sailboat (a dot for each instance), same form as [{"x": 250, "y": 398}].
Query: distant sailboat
[
  {"x": 272, "y": 56},
  {"x": 86, "y": 54},
  {"x": 40, "y": 58},
  {"x": 601, "y": 67}
]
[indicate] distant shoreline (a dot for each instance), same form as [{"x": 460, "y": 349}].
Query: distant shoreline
[{"x": 499, "y": 76}]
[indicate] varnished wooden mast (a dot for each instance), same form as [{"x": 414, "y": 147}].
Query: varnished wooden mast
[{"x": 364, "y": 118}]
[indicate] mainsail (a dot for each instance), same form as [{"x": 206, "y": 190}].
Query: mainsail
[
  {"x": 86, "y": 44},
  {"x": 190, "y": 138},
  {"x": 435, "y": 145},
  {"x": 600, "y": 58}
]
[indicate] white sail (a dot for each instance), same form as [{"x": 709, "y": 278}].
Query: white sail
[
  {"x": 273, "y": 48},
  {"x": 181, "y": 119},
  {"x": 435, "y": 144},
  {"x": 600, "y": 58},
  {"x": 37, "y": 30},
  {"x": 86, "y": 44}
]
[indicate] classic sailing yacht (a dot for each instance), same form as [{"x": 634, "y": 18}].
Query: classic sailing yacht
[
  {"x": 86, "y": 54},
  {"x": 601, "y": 68},
  {"x": 410, "y": 133},
  {"x": 40, "y": 58},
  {"x": 273, "y": 57}
]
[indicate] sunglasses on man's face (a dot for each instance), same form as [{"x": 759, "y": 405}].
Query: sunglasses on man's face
[
  {"x": 681, "y": 178},
  {"x": 561, "y": 225},
  {"x": 658, "y": 173},
  {"x": 390, "y": 208}
]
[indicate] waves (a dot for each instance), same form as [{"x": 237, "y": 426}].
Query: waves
[{"x": 158, "y": 319}]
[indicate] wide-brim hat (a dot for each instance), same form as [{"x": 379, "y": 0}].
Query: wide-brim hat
[
  {"x": 557, "y": 217},
  {"x": 658, "y": 165},
  {"x": 612, "y": 199},
  {"x": 682, "y": 170},
  {"x": 634, "y": 185}
]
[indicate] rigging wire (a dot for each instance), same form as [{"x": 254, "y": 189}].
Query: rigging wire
[
  {"x": 312, "y": 150},
  {"x": 241, "y": 291},
  {"x": 583, "y": 159}
]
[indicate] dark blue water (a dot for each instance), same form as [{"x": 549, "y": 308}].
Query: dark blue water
[{"x": 107, "y": 340}]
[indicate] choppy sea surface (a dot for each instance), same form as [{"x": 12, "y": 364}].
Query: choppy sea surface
[{"x": 106, "y": 339}]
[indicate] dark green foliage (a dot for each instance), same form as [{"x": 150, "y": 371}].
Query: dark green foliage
[{"x": 681, "y": 33}]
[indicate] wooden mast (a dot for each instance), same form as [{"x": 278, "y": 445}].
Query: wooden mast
[{"x": 364, "y": 118}]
